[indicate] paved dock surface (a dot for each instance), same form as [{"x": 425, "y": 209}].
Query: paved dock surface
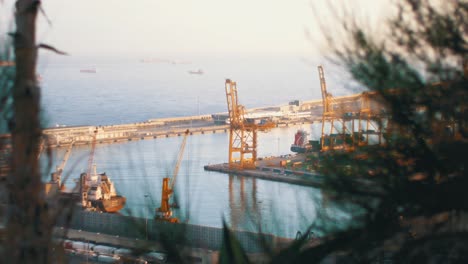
[{"x": 273, "y": 174}]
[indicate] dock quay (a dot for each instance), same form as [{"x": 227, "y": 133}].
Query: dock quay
[
  {"x": 293, "y": 113},
  {"x": 267, "y": 171},
  {"x": 83, "y": 135},
  {"x": 171, "y": 127}
]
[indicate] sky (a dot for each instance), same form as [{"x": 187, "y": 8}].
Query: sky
[{"x": 194, "y": 26}]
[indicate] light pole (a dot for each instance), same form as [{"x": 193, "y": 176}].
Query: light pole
[
  {"x": 278, "y": 146},
  {"x": 146, "y": 217}
]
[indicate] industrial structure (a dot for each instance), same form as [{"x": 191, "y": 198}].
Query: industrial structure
[
  {"x": 164, "y": 212},
  {"x": 97, "y": 191},
  {"x": 242, "y": 131},
  {"x": 57, "y": 175},
  {"x": 348, "y": 124}
]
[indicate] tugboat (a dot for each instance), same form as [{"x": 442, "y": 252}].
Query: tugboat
[{"x": 98, "y": 193}]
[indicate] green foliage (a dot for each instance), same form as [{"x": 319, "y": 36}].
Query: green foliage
[
  {"x": 412, "y": 188},
  {"x": 231, "y": 250}
]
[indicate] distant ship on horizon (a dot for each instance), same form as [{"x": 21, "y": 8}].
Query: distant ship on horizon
[
  {"x": 160, "y": 60},
  {"x": 91, "y": 70},
  {"x": 199, "y": 72}
]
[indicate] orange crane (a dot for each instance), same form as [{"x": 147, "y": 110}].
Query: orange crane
[
  {"x": 164, "y": 212},
  {"x": 345, "y": 120},
  {"x": 329, "y": 115},
  {"x": 340, "y": 136},
  {"x": 242, "y": 133}
]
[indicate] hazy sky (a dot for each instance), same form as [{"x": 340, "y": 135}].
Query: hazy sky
[{"x": 152, "y": 26}]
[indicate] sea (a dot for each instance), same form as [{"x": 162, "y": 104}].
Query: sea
[{"x": 107, "y": 89}]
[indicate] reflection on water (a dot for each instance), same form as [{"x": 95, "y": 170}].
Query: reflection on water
[{"x": 137, "y": 169}]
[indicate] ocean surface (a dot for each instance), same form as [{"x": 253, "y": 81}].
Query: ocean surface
[{"x": 124, "y": 89}]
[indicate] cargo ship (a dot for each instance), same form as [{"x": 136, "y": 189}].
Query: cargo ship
[
  {"x": 98, "y": 193},
  {"x": 301, "y": 144},
  {"x": 199, "y": 72},
  {"x": 90, "y": 70}
]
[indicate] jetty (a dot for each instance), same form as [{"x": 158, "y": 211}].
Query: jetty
[
  {"x": 293, "y": 113},
  {"x": 271, "y": 168}
]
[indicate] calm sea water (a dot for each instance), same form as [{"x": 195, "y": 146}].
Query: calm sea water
[{"x": 125, "y": 90}]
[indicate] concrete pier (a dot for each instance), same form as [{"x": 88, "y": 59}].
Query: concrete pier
[
  {"x": 273, "y": 174},
  {"x": 295, "y": 112},
  {"x": 152, "y": 129}
]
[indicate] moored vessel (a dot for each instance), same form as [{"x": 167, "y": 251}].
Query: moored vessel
[
  {"x": 301, "y": 144},
  {"x": 98, "y": 193}
]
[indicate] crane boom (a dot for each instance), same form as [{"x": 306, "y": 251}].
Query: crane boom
[
  {"x": 236, "y": 111},
  {"x": 91, "y": 154},
  {"x": 323, "y": 87},
  {"x": 65, "y": 158},
  {"x": 164, "y": 212},
  {"x": 179, "y": 159}
]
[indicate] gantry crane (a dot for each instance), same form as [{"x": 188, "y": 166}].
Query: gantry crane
[
  {"x": 329, "y": 116},
  {"x": 164, "y": 212},
  {"x": 348, "y": 120},
  {"x": 242, "y": 134}
]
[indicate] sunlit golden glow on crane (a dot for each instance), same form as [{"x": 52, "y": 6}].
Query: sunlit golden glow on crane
[
  {"x": 242, "y": 133},
  {"x": 164, "y": 212}
]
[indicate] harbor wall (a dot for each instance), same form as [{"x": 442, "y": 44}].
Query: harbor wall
[
  {"x": 296, "y": 112},
  {"x": 60, "y": 137},
  {"x": 188, "y": 235}
]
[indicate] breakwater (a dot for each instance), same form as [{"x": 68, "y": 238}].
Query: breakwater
[
  {"x": 291, "y": 114},
  {"x": 295, "y": 112}
]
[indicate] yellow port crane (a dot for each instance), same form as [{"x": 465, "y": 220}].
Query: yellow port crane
[
  {"x": 242, "y": 133},
  {"x": 348, "y": 120},
  {"x": 329, "y": 115},
  {"x": 164, "y": 212}
]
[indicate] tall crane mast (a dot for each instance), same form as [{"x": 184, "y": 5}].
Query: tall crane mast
[
  {"x": 345, "y": 120},
  {"x": 91, "y": 154},
  {"x": 328, "y": 112},
  {"x": 57, "y": 175},
  {"x": 339, "y": 135},
  {"x": 242, "y": 134},
  {"x": 326, "y": 97},
  {"x": 164, "y": 212},
  {"x": 83, "y": 185}
]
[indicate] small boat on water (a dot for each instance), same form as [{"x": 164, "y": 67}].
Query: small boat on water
[{"x": 98, "y": 192}]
